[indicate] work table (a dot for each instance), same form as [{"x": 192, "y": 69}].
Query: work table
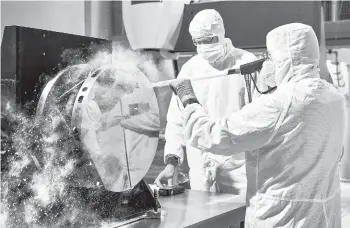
[{"x": 197, "y": 209}]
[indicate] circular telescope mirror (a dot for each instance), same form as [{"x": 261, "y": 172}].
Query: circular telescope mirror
[
  {"x": 117, "y": 113},
  {"x": 116, "y": 118}
]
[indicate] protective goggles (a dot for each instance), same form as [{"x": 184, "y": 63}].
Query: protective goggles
[
  {"x": 266, "y": 56},
  {"x": 211, "y": 39}
]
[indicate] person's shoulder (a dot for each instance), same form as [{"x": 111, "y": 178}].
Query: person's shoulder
[
  {"x": 195, "y": 59},
  {"x": 188, "y": 66},
  {"x": 337, "y": 93},
  {"x": 241, "y": 56},
  {"x": 246, "y": 55}
]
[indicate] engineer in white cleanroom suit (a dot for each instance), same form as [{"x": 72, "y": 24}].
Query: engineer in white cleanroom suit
[
  {"x": 219, "y": 97},
  {"x": 293, "y": 138}
]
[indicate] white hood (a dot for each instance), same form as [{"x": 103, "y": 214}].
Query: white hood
[{"x": 294, "y": 49}]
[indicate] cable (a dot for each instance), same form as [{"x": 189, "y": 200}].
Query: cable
[{"x": 257, "y": 89}]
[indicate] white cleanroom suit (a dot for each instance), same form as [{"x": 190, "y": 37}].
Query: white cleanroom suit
[
  {"x": 293, "y": 138},
  {"x": 219, "y": 97}
]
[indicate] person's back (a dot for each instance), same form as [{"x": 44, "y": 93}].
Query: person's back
[
  {"x": 297, "y": 182},
  {"x": 302, "y": 179}
]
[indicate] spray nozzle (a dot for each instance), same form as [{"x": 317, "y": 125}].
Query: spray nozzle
[{"x": 252, "y": 67}]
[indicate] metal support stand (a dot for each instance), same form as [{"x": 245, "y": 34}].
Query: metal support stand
[{"x": 248, "y": 86}]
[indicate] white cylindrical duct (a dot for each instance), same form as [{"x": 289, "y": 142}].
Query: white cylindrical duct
[
  {"x": 99, "y": 15},
  {"x": 150, "y": 25}
]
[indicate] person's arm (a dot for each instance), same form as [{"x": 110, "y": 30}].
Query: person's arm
[
  {"x": 174, "y": 139},
  {"x": 245, "y": 130},
  {"x": 174, "y": 145}
]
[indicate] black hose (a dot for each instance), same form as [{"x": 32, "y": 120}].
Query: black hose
[{"x": 257, "y": 89}]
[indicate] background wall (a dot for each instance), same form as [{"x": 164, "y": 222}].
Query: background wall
[
  {"x": 60, "y": 16},
  {"x": 100, "y": 19}
]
